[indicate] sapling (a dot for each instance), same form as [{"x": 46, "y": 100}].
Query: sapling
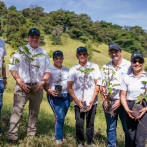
[
  {"x": 29, "y": 58},
  {"x": 108, "y": 70},
  {"x": 58, "y": 87},
  {"x": 86, "y": 71},
  {"x": 137, "y": 106}
]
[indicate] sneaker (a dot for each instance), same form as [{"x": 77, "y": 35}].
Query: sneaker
[
  {"x": 80, "y": 145},
  {"x": 58, "y": 142},
  {"x": 64, "y": 140}
]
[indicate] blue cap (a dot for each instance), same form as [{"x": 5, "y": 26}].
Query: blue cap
[
  {"x": 115, "y": 46},
  {"x": 82, "y": 49},
  {"x": 33, "y": 32},
  {"x": 57, "y": 53},
  {"x": 137, "y": 54}
]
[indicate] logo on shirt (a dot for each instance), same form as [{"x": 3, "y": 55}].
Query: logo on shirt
[
  {"x": 67, "y": 77},
  {"x": 99, "y": 78},
  {"x": 122, "y": 73}
]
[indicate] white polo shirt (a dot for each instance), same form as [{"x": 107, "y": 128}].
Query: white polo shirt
[
  {"x": 123, "y": 69},
  {"x": 2, "y": 54},
  {"x": 134, "y": 85},
  {"x": 37, "y": 74},
  {"x": 78, "y": 78},
  {"x": 54, "y": 78}
]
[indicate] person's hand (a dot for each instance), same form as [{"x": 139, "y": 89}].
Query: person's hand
[
  {"x": 142, "y": 112},
  {"x": 25, "y": 87},
  {"x": 38, "y": 86},
  {"x": 105, "y": 104},
  {"x": 78, "y": 102},
  {"x": 53, "y": 93},
  {"x": 130, "y": 114},
  {"x": 116, "y": 104},
  {"x": 5, "y": 83},
  {"x": 90, "y": 106}
]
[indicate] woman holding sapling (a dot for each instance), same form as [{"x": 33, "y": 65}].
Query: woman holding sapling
[
  {"x": 57, "y": 94},
  {"x": 133, "y": 97}
]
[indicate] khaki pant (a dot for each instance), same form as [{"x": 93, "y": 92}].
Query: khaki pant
[{"x": 20, "y": 99}]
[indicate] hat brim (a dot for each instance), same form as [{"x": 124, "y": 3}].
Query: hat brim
[
  {"x": 82, "y": 50},
  {"x": 137, "y": 57},
  {"x": 58, "y": 55},
  {"x": 34, "y": 33}
]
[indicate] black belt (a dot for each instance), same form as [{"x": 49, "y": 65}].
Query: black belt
[{"x": 31, "y": 83}]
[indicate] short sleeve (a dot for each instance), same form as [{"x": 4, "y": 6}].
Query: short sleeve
[
  {"x": 101, "y": 80},
  {"x": 71, "y": 75},
  {"x": 96, "y": 72},
  {"x": 47, "y": 63}
]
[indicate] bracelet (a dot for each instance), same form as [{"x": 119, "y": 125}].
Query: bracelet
[{"x": 5, "y": 78}]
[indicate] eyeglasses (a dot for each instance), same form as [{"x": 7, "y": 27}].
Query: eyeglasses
[
  {"x": 32, "y": 37},
  {"x": 114, "y": 52},
  {"x": 82, "y": 54},
  {"x": 139, "y": 61}
]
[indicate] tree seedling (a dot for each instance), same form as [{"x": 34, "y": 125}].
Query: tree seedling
[
  {"x": 107, "y": 72},
  {"x": 29, "y": 58},
  {"x": 86, "y": 71},
  {"x": 137, "y": 106}
]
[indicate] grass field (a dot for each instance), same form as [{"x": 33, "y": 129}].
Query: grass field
[{"x": 45, "y": 124}]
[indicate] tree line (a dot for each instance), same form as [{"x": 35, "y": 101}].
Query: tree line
[{"x": 16, "y": 24}]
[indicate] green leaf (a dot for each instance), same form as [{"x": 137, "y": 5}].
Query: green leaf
[
  {"x": 146, "y": 97},
  {"x": 139, "y": 98},
  {"x": 113, "y": 72},
  {"x": 41, "y": 55},
  {"x": 108, "y": 84},
  {"x": 17, "y": 60},
  {"x": 103, "y": 81},
  {"x": 116, "y": 85},
  {"x": 144, "y": 82},
  {"x": 11, "y": 63},
  {"x": 12, "y": 54},
  {"x": 110, "y": 90},
  {"x": 4, "y": 65},
  {"x": 26, "y": 50},
  {"x": 0, "y": 75}
]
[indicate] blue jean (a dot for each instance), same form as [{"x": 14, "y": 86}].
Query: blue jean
[
  {"x": 1, "y": 97},
  {"x": 60, "y": 107},
  {"x": 112, "y": 124}
]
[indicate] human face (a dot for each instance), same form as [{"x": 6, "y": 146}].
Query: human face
[
  {"x": 82, "y": 56},
  {"x": 115, "y": 55},
  {"x": 138, "y": 65},
  {"x": 34, "y": 41},
  {"x": 58, "y": 60}
]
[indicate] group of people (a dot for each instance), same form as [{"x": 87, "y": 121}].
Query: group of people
[{"x": 81, "y": 83}]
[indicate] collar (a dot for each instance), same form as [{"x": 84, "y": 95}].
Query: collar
[
  {"x": 144, "y": 74},
  {"x": 87, "y": 64},
  {"x": 32, "y": 49},
  {"x": 122, "y": 63}
]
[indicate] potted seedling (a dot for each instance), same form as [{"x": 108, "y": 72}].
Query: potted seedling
[
  {"x": 58, "y": 87},
  {"x": 86, "y": 71},
  {"x": 137, "y": 106},
  {"x": 29, "y": 58},
  {"x": 108, "y": 71}
]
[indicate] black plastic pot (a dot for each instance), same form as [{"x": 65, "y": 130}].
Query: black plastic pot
[
  {"x": 109, "y": 109},
  {"x": 32, "y": 89},
  {"x": 58, "y": 89},
  {"x": 84, "y": 108},
  {"x": 136, "y": 109}
]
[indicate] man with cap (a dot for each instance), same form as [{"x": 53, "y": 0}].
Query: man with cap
[
  {"x": 3, "y": 78},
  {"x": 20, "y": 72},
  {"x": 120, "y": 68},
  {"x": 84, "y": 85}
]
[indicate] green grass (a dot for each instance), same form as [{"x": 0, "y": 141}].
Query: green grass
[{"x": 46, "y": 120}]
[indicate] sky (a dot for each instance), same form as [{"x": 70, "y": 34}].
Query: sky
[{"x": 120, "y": 12}]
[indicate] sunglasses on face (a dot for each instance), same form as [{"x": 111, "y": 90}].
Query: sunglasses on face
[{"x": 139, "y": 61}]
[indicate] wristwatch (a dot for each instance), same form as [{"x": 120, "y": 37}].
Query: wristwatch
[{"x": 5, "y": 78}]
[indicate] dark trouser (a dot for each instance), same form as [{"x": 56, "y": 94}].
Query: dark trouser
[
  {"x": 137, "y": 132},
  {"x": 90, "y": 116}
]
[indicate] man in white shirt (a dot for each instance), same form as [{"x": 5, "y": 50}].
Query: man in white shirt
[
  {"x": 3, "y": 78},
  {"x": 120, "y": 67},
  {"x": 77, "y": 82},
  {"x": 21, "y": 73}
]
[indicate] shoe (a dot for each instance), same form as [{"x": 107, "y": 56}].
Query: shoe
[
  {"x": 58, "y": 142},
  {"x": 80, "y": 145},
  {"x": 64, "y": 140}
]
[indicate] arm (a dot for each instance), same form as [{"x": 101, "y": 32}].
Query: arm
[
  {"x": 96, "y": 91},
  {"x": 45, "y": 78},
  {"x": 49, "y": 91},
  {"x": 124, "y": 103},
  {"x": 71, "y": 92},
  {"x": 4, "y": 74},
  {"x": 19, "y": 81}
]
